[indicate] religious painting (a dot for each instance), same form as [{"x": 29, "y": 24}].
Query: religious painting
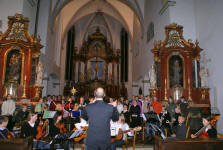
[
  {"x": 33, "y": 70},
  {"x": 96, "y": 69},
  {"x": 176, "y": 71},
  {"x": 13, "y": 66}
]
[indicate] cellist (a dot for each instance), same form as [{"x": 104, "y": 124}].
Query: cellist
[{"x": 207, "y": 131}]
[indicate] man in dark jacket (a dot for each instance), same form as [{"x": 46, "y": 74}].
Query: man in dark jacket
[{"x": 99, "y": 115}]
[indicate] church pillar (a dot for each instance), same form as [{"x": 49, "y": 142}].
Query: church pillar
[{"x": 79, "y": 70}]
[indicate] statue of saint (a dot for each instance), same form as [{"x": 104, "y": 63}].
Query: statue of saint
[
  {"x": 177, "y": 70},
  {"x": 204, "y": 74},
  {"x": 152, "y": 76},
  {"x": 39, "y": 74}
]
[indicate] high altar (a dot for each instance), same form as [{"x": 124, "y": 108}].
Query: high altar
[
  {"x": 19, "y": 56},
  {"x": 97, "y": 65},
  {"x": 177, "y": 65}
]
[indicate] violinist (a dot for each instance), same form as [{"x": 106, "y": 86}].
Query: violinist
[
  {"x": 29, "y": 129},
  {"x": 55, "y": 130},
  {"x": 3, "y": 130},
  {"x": 208, "y": 131}
]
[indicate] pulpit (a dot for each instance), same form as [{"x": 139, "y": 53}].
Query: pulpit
[
  {"x": 177, "y": 64},
  {"x": 19, "y": 54}
]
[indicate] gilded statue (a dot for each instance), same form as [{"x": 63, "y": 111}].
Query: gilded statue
[{"x": 152, "y": 76}]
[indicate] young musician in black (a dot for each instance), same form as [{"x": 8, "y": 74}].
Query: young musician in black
[
  {"x": 208, "y": 131},
  {"x": 180, "y": 129},
  {"x": 29, "y": 129}
]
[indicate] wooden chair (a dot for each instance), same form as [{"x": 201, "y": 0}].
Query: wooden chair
[{"x": 129, "y": 141}]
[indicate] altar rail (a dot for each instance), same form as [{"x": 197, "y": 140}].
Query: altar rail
[{"x": 187, "y": 144}]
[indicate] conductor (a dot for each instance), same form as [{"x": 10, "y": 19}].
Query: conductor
[{"x": 99, "y": 115}]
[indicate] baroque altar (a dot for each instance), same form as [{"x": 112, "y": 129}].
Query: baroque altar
[
  {"x": 96, "y": 65},
  {"x": 19, "y": 56},
  {"x": 177, "y": 66}
]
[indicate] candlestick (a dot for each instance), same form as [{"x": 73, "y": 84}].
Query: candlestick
[
  {"x": 165, "y": 92},
  {"x": 189, "y": 90}
]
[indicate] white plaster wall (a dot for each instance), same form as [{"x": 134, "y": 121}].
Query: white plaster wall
[
  {"x": 144, "y": 60},
  {"x": 209, "y": 23},
  {"x": 30, "y": 12},
  {"x": 183, "y": 14},
  {"x": 43, "y": 23},
  {"x": 9, "y": 8}
]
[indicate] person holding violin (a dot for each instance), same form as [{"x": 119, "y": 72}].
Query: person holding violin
[
  {"x": 3, "y": 129},
  {"x": 29, "y": 129},
  {"x": 56, "y": 128},
  {"x": 207, "y": 131}
]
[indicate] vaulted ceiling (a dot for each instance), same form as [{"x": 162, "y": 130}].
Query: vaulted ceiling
[{"x": 124, "y": 12}]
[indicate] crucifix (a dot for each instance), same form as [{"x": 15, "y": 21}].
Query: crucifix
[{"x": 96, "y": 61}]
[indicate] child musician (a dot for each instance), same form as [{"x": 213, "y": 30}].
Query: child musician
[
  {"x": 120, "y": 124},
  {"x": 165, "y": 120},
  {"x": 181, "y": 129},
  {"x": 3, "y": 130},
  {"x": 209, "y": 131}
]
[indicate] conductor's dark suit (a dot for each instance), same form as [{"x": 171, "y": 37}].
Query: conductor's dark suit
[{"x": 99, "y": 115}]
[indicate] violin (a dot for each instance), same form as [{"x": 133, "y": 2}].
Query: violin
[
  {"x": 39, "y": 129},
  {"x": 202, "y": 133},
  {"x": 61, "y": 126}
]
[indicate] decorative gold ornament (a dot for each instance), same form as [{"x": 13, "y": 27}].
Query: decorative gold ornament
[
  {"x": 24, "y": 89},
  {"x": 165, "y": 97},
  {"x": 73, "y": 91}
]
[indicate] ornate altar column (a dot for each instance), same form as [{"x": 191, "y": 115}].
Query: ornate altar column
[{"x": 113, "y": 72}]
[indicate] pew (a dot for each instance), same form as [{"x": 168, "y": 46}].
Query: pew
[
  {"x": 16, "y": 144},
  {"x": 186, "y": 144}
]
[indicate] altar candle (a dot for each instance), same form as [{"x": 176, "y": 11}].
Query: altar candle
[{"x": 165, "y": 82}]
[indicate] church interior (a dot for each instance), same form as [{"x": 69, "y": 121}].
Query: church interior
[{"x": 53, "y": 52}]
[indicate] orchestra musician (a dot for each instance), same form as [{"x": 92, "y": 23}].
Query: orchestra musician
[
  {"x": 119, "y": 125},
  {"x": 29, "y": 129},
  {"x": 207, "y": 131},
  {"x": 54, "y": 129}
]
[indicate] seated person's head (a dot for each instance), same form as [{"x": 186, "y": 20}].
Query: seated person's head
[
  {"x": 163, "y": 108},
  {"x": 121, "y": 118},
  {"x": 24, "y": 108},
  {"x": 206, "y": 119},
  {"x": 151, "y": 108},
  {"x": 181, "y": 119},
  {"x": 177, "y": 109},
  {"x": 3, "y": 121},
  {"x": 125, "y": 107}
]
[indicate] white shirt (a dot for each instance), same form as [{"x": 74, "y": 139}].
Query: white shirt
[
  {"x": 8, "y": 107},
  {"x": 83, "y": 123},
  {"x": 123, "y": 127}
]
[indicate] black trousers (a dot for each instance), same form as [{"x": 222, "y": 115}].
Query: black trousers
[{"x": 97, "y": 146}]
